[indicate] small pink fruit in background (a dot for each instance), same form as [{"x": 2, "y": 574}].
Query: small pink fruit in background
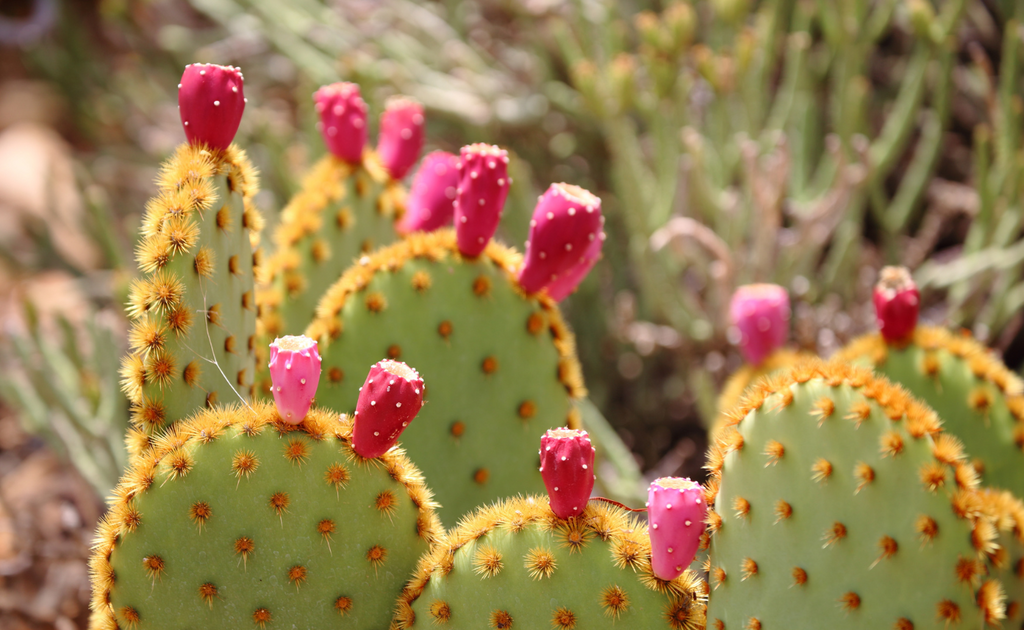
[
  {"x": 401, "y": 135},
  {"x": 342, "y": 120},
  {"x": 431, "y": 201},
  {"x": 897, "y": 303},
  {"x": 676, "y": 511},
  {"x": 760, "y": 312},
  {"x": 567, "y": 466},
  {"x": 565, "y": 227},
  {"x": 480, "y": 197},
  {"x": 388, "y": 401},
  {"x": 295, "y": 375},
  {"x": 211, "y": 102}
]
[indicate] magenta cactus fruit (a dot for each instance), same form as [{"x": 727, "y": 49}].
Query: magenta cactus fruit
[
  {"x": 566, "y": 224},
  {"x": 897, "y": 303},
  {"x": 676, "y": 512},
  {"x": 388, "y": 401},
  {"x": 480, "y": 197},
  {"x": 295, "y": 374},
  {"x": 431, "y": 201},
  {"x": 567, "y": 466},
  {"x": 760, "y": 313},
  {"x": 211, "y": 102},
  {"x": 401, "y": 135},
  {"x": 562, "y": 286},
  {"x": 342, "y": 120}
]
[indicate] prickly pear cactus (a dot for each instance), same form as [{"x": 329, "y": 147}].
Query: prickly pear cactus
[
  {"x": 500, "y": 366},
  {"x": 743, "y": 378},
  {"x": 240, "y": 520},
  {"x": 516, "y": 565},
  {"x": 193, "y": 311},
  {"x": 979, "y": 400},
  {"x": 839, "y": 503},
  {"x": 1006, "y": 560}
]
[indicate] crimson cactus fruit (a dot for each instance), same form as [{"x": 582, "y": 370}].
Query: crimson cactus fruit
[
  {"x": 342, "y": 120},
  {"x": 567, "y": 466},
  {"x": 431, "y": 201},
  {"x": 295, "y": 373},
  {"x": 211, "y": 102},
  {"x": 676, "y": 513},
  {"x": 566, "y": 224},
  {"x": 388, "y": 401},
  {"x": 760, "y": 312},
  {"x": 562, "y": 286},
  {"x": 480, "y": 197},
  {"x": 401, "y": 135},
  {"x": 897, "y": 303}
]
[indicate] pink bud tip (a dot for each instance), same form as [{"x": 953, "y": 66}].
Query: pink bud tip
[
  {"x": 897, "y": 302},
  {"x": 567, "y": 466},
  {"x": 388, "y": 401},
  {"x": 401, "y": 135},
  {"x": 431, "y": 201},
  {"x": 760, "y": 313},
  {"x": 565, "y": 240},
  {"x": 211, "y": 102},
  {"x": 483, "y": 187},
  {"x": 342, "y": 120},
  {"x": 295, "y": 375},
  {"x": 676, "y": 511}
]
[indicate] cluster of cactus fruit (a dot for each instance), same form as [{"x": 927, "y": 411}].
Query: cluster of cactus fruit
[{"x": 845, "y": 494}]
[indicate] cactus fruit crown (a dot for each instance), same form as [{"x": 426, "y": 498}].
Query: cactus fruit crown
[
  {"x": 516, "y": 565},
  {"x": 830, "y": 451},
  {"x": 235, "y": 504}
]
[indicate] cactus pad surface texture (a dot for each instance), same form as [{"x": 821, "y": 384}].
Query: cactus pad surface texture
[
  {"x": 979, "y": 400},
  {"x": 193, "y": 311},
  {"x": 239, "y": 520},
  {"x": 500, "y": 366},
  {"x": 839, "y": 503},
  {"x": 516, "y": 565}
]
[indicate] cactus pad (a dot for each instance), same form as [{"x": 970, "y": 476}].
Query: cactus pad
[
  {"x": 838, "y": 503},
  {"x": 240, "y": 520},
  {"x": 516, "y": 565}
]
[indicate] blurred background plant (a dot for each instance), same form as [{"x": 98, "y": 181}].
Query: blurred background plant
[{"x": 801, "y": 142}]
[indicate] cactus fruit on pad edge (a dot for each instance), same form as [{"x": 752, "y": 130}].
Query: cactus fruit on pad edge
[
  {"x": 243, "y": 521},
  {"x": 193, "y": 311},
  {"x": 979, "y": 400},
  {"x": 500, "y": 366},
  {"x": 517, "y": 565},
  {"x": 839, "y": 503}
]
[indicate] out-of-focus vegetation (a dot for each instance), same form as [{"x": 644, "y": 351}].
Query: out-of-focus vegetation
[{"x": 800, "y": 142}]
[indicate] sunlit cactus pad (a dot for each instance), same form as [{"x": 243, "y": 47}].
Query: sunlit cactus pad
[
  {"x": 500, "y": 366},
  {"x": 194, "y": 310},
  {"x": 838, "y": 503},
  {"x": 732, "y": 392},
  {"x": 979, "y": 400},
  {"x": 239, "y": 520},
  {"x": 517, "y": 565}
]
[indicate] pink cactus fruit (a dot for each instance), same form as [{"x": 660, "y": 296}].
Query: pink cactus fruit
[
  {"x": 567, "y": 467},
  {"x": 897, "y": 303},
  {"x": 566, "y": 224},
  {"x": 431, "y": 201},
  {"x": 562, "y": 286},
  {"x": 401, "y": 135},
  {"x": 388, "y": 401},
  {"x": 342, "y": 120},
  {"x": 760, "y": 314},
  {"x": 480, "y": 197},
  {"x": 676, "y": 511},
  {"x": 211, "y": 102},
  {"x": 295, "y": 375}
]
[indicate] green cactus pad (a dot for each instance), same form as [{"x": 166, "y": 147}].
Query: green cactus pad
[
  {"x": 341, "y": 212},
  {"x": 979, "y": 400},
  {"x": 515, "y": 565},
  {"x": 193, "y": 312},
  {"x": 838, "y": 503},
  {"x": 741, "y": 379},
  {"x": 238, "y": 520},
  {"x": 500, "y": 366}
]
